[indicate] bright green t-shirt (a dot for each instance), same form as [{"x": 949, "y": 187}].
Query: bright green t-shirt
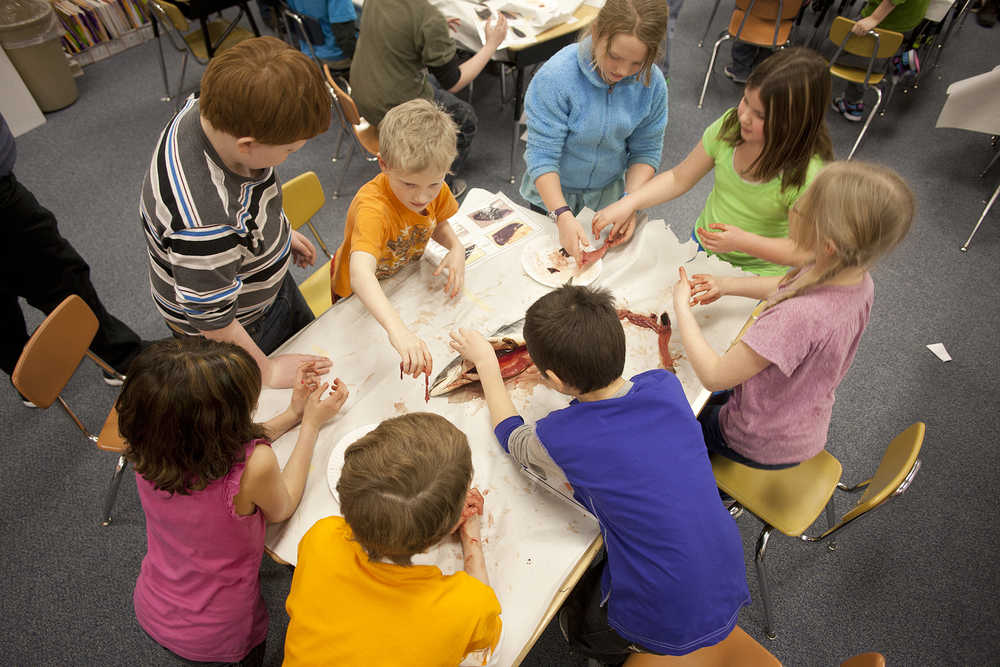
[
  {"x": 905, "y": 14},
  {"x": 760, "y": 208}
]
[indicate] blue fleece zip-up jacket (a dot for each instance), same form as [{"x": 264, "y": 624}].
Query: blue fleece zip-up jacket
[
  {"x": 327, "y": 11},
  {"x": 587, "y": 131}
]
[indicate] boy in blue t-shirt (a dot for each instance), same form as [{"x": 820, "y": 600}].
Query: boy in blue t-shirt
[{"x": 673, "y": 579}]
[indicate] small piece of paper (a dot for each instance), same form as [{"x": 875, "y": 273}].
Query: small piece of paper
[{"x": 939, "y": 351}]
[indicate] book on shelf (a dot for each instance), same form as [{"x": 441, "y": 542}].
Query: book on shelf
[{"x": 88, "y": 23}]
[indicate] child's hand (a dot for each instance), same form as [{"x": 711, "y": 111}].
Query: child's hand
[
  {"x": 621, "y": 217},
  {"x": 571, "y": 235},
  {"x": 281, "y": 370},
  {"x": 474, "y": 347},
  {"x": 862, "y": 26},
  {"x": 682, "y": 291},
  {"x": 303, "y": 251},
  {"x": 306, "y": 381},
  {"x": 454, "y": 261},
  {"x": 414, "y": 356},
  {"x": 704, "y": 289},
  {"x": 320, "y": 410},
  {"x": 470, "y": 525},
  {"x": 725, "y": 238},
  {"x": 496, "y": 30}
]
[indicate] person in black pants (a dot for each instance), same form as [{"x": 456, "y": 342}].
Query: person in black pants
[{"x": 38, "y": 264}]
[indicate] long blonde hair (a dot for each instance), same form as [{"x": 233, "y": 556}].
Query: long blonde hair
[
  {"x": 646, "y": 20},
  {"x": 862, "y": 210}
]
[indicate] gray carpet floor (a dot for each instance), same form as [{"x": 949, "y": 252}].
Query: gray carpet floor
[{"x": 917, "y": 581}]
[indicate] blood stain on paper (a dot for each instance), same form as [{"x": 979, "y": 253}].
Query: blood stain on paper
[{"x": 400, "y": 407}]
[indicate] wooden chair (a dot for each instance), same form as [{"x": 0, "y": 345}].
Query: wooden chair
[
  {"x": 738, "y": 649},
  {"x": 760, "y": 22},
  {"x": 202, "y": 43},
  {"x": 301, "y": 198},
  {"x": 790, "y": 500},
  {"x": 365, "y": 137},
  {"x": 877, "y": 44},
  {"x": 49, "y": 360}
]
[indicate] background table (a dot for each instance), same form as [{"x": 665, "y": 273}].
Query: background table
[{"x": 532, "y": 539}]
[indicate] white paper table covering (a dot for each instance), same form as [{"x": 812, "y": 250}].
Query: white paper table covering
[{"x": 532, "y": 539}]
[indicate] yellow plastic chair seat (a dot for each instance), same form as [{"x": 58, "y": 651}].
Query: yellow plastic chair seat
[
  {"x": 196, "y": 42},
  {"x": 788, "y": 499},
  {"x": 316, "y": 290},
  {"x": 855, "y": 75}
]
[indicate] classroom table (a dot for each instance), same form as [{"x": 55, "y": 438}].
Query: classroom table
[{"x": 536, "y": 543}]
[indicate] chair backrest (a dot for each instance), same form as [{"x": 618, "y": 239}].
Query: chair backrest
[
  {"x": 365, "y": 134},
  {"x": 347, "y": 105},
  {"x": 301, "y": 197},
  {"x": 168, "y": 12},
  {"x": 738, "y": 648},
  {"x": 885, "y": 46},
  {"x": 895, "y": 472},
  {"x": 764, "y": 22},
  {"x": 865, "y": 660},
  {"x": 771, "y": 10},
  {"x": 54, "y": 351}
]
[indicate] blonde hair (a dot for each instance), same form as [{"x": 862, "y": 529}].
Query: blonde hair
[
  {"x": 265, "y": 89},
  {"x": 862, "y": 210},
  {"x": 646, "y": 20},
  {"x": 794, "y": 87},
  {"x": 403, "y": 485},
  {"x": 418, "y": 135}
]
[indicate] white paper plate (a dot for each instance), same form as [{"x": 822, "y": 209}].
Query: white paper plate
[
  {"x": 336, "y": 462},
  {"x": 542, "y": 253}
]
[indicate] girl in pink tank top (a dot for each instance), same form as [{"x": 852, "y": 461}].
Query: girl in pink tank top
[
  {"x": 208, "y": 482},
  {"x": 785, "y": 369}
]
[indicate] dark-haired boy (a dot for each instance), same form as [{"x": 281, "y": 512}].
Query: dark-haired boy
[
  {"x": 356, "y": 599},
  {"x": 218, "y": 242},
  {"x": 674, "y": 579}
]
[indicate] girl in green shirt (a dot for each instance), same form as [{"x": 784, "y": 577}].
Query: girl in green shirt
[{"x": 764, "y": 153}]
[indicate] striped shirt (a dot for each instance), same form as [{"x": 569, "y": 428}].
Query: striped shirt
[{"x": 219, "y": 244}]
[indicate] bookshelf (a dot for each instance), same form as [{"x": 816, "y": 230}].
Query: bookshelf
[{"x": 97, "y": 29}]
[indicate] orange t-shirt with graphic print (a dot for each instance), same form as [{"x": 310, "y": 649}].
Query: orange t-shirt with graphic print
[{"x": 381, "y": 225}]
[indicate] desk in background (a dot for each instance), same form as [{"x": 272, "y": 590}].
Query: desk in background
[{"x": 536, "y": 544}]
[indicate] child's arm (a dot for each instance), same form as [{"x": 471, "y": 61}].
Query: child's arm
[
  {"x": 716, "y": 373},
  {"x": 661, "y": 188},
  {"x": 470, "y": 534},
  {"x": 727, "y": 238},
  {"x": 454, "y": 261},
  {"x": 277, "y": 372},
  {"x": 706, "y": 288},
  {"x": 413, "y": 352},
  {"x": 872, "y": 21},
  {"x": 474, "y": 347},
  {"x": 571, "y": 234},
  {"x": 275, "y": 491}
]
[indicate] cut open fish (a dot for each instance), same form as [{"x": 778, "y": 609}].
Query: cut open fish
[{"x": 512, "y": 354}]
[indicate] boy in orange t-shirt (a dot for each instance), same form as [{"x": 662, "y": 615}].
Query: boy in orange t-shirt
[{"x": 393, "y": 215}]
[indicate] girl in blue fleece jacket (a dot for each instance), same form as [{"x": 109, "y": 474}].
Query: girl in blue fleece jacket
[{"x": 596, "y": 112}]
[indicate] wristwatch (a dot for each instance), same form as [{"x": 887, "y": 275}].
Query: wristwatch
[{"x": 559, "y": 211}]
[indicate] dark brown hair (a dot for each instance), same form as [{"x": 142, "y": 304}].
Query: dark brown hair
[
  {"x": 265, "y": 89},
  {"x": 575, "y": 332},
  {"x": 186, "y": 411},
  {"x": 403, "y": 485},
  {"x": 794, "y": 87},
  {"x": 646, "y": 20}
]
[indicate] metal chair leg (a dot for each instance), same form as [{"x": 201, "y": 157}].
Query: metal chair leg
[
  {"x": 711, "y": 66},
  {"x": 868, "y": 121},
  {"x": 515, "y": 132},
  {"x": 708, "y": 27},
  {"x": 996, "y": 156},
  {"x": 986, "y": 210},
  {"x": 163, "y": 70},
  {"x": 831, "y": 521},
  {"x": 343, "y": 174},
  {"x": 116, "y": 480},
  {"x": 762, "y": 578}
]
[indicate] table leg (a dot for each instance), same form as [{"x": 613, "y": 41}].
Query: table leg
[{"x": 518, "y": 103}]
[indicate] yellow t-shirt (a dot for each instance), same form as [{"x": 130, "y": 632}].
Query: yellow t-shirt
[
  {"x": 347, "y": 610},
  {"x": 379, "y": 224}
]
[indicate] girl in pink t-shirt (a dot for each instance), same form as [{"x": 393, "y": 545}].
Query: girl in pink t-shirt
[
  {"x": 784, "y": 370},
  {"x": 208, "y": 482}
]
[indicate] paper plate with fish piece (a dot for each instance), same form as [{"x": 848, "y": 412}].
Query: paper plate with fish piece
[
  {"x": 336, "y": 462},
  {"x": 544, "y": 260}
]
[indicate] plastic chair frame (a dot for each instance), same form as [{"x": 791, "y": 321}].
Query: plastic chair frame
[
  {"x": 347, "y": 126},
  {"x": 726, "y": 35},
  {"x": 160, "y": 16},
  {"x": 74, "y": 301},
  {"x": 834, "y": 526},
  {"x": 876, "y": 35}
]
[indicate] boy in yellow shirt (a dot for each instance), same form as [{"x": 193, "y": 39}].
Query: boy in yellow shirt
[
  {"x": 393, "y": 215},
  {"x": 356, "y": 599}
]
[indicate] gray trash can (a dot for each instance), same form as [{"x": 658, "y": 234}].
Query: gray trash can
[{"x": 30, "y": 34}]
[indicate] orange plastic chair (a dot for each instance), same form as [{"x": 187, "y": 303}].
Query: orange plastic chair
[
  {"x": 49, "y": 360},
  {"x": 365, "y": 136},
  {"x": 760, "y": 22}
]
